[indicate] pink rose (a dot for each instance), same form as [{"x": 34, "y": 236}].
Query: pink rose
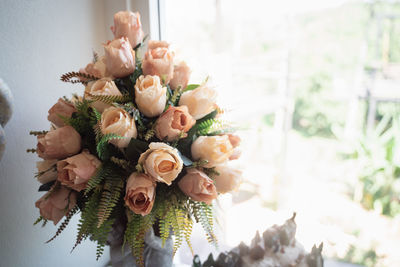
[
  {"x": 197, "y": 185},
  {"x": 119, "y": 57},
  {"x": 54, "y": 205},
  {"x": 228, "y": 179},
  {"x": 59, "y": 143},
  {"x": 159, "y": 61},
  {"x": 127, "y": 24},
  {"x": 140, "y": 193},
  {"x": 75, "y": 172},
  {"x": 46, "y": 170},
  {"x": 181, "y": 76},
  {"x": 97, "y": 69},
  {"x": 173, "y": 122},
  {"x": 61, "y": 108}
]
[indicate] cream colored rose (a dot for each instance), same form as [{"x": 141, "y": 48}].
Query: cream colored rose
[
  {"x": 150, "y": 95},
  {"x": 235, "y": 142},
  {"x": 173, "y": 123},
  {"x": 159, "y": 60},
  {"x": 59, "y": 143},
  {"x": 161, "y": 162},
  {"x": 53, "y": 206},
  {"x": 127, "y": 24},
  {"x": 200, "y": 101},
  {"x": 97, "y": 69},
  {"x": 140, "y": 193},
  {"x": 46, "y": 170},
  {"x": 76, "y": 171},
  {"x": 119, "y": 57},
  {"x": 118, "y": 121},
  {"x": 104, "y": 86},
  {"x": 197, "y": 185},
  {"x": 61, "y": 108},
  {"x": 181, "y": 76},
  {"x": 215, "y": 149},
  {"x": 228, "y": 179}
]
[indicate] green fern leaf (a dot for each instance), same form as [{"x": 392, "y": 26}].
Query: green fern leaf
[{"x": 64, "y": 224}]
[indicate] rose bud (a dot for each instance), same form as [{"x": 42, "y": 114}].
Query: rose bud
[
  {"x": 127, "y": 24},
  {"x": 118, "y": 121},
  {"x": 153, "y": 44},
  {"x": 59, "y": 143},
  {"x": 215, "y": 149},
  {"x": 197, "y": 185},
  {"x": 150, "y": 95},
  {"x": 228, "y": 179},
  {"x": 159, "y": 61},
  {"x": 161, "y": 162},
  {"x": 181, "y": 76},
  {"x": 174, "y": 123},
  {"x": 61, "y": 108},
  {"x": 140, "y": 193},
  {"x": 47, "y": 170},
  {"x": 200, "y": 101},
  {"x": 235, "y": 142},
  {"x": 54, "y": 205},
  {"x": 75, "y": 172},
  {"x": 97, "y": 69},
  {"x": 119, "y": 57},
  {"x": 104, "y": 86}
]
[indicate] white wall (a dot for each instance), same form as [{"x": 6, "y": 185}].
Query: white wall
[{"x": 39, "y": 41}]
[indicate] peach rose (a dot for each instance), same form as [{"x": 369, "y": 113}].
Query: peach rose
[
  {"x": 140, "y": 193},
  {"x": 61, "y": 108},
  {"x": 97, "y": 69},
  {"x": 119, "y": 57},
  {"x": 159, "y": 60},
  {"x": 54, "y": 205},
  {"x": 104, "y": 86},
  {"x": 118, "y": 121},
  {"x": 215, "y": 149},
  {"x": 153, "y": 44},
  {"x": 47, "y": 170},
  {"x": 75, "y": 172},
  {"x": 150, "y": 95},
  {"x": 59, "y": 143},
  {"x": 228, "y": 179},
  {"x": 197, "y": 185},
  {"x": 161, "y": 162},
  {"x": 181, "y": 76},
  {"x": 127, "y": 24},
  {"x": 235, "y": 142},
  {"x": 200, "y": 101},
  {"x": 173, "y": 122}
]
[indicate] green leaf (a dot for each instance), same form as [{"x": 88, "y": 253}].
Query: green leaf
[
  {"x": 191, "y": 87},
  {"x": 135, "y": 148}
]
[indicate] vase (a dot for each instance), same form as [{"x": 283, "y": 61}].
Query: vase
[
  {"x": 155, "y": 254},
  {"x": 6, "y": 107}
]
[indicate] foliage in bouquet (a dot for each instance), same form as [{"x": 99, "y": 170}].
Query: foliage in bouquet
[{"x": 141, "y": 146}]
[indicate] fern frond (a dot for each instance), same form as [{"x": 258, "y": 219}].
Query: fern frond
[
  {"x": 95, "y": 57},
  {"x": 109, "y": 99},
  {"x": 88, "y": 218},
  {"x": 187, "y": 231},
  {"x": 121, "y": 162},
  {"x": 206, "y": 221},
  {"x": 101, "y": 147},
  {"x": 101, "y": 237},
  {"x": 149, "y": 134},
  {"x": 110, "y": 196},
  {"x": 176, "y": 95},
  {"x": 64, "y": 224},
  {"x": 36, "y": 133},
  {"x": 77, "y": 77},
  {"x": 38, "y": 220},
  {"x": 102, "y": 172}
]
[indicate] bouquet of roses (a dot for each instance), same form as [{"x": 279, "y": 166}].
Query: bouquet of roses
[{"x": 140, "y": 144}]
